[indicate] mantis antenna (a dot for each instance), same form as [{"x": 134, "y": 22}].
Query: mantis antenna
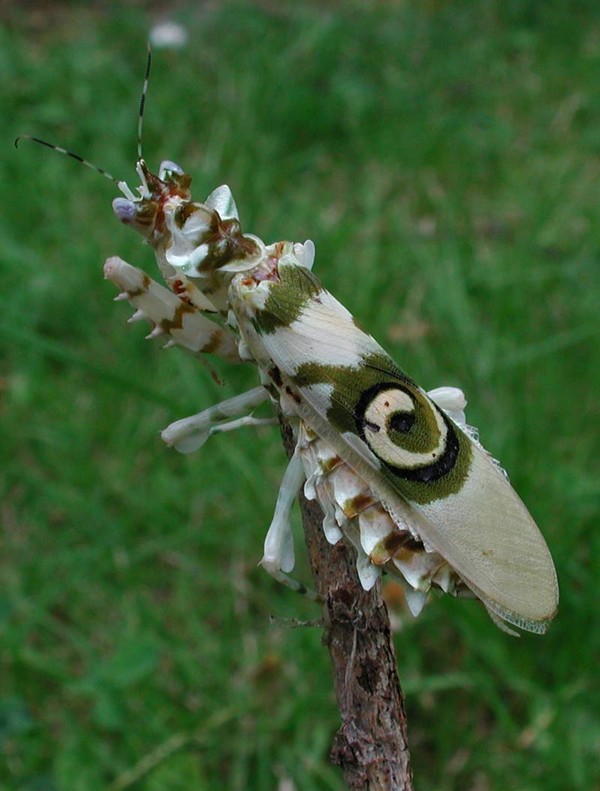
[
  {"x": 143, "y": 103},
  {"x": 120, "y": 184},
  {"x": 68, "y": 153}
]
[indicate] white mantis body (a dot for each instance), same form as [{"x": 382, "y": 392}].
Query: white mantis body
[{"x": 396, "y": 471}]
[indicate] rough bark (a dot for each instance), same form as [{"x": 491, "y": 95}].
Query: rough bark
[{"x": 371, "y": 746}]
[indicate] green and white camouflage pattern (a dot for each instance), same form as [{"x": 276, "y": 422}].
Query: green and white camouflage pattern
[{"x": 396, "y": 471}]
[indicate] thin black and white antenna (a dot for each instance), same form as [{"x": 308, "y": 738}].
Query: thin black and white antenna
[
  {"x": 71, "y": 154},
  {"x": 143, "y": 104},
  {"x": 122, "y": 185}
]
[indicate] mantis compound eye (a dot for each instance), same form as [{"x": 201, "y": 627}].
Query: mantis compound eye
[
  {"x": 124, "y": 210},
  {"x": 168, "y": 169},
  {"x": 140, "y": 214}
]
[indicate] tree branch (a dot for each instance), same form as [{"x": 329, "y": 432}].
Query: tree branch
[{"x": 371, "y": 746}]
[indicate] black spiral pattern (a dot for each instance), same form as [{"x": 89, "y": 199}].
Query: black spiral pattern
[{"x": 407, "y": 432}]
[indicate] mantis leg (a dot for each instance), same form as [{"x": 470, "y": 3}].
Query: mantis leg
[
  {"x": 190, "y": 433},
  {"x": 278, "y": 558}
]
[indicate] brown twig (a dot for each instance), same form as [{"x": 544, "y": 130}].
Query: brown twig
[{"x": 371, "y": 746}]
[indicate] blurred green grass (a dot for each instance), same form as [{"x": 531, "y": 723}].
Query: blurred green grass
[{"x": 445, "y": 159}]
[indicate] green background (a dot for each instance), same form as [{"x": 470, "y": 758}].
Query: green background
[{"x": 445, "y": 159}]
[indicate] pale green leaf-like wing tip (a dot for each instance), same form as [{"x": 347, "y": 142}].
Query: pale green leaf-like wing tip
[{"x": 496, "y": 547}]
